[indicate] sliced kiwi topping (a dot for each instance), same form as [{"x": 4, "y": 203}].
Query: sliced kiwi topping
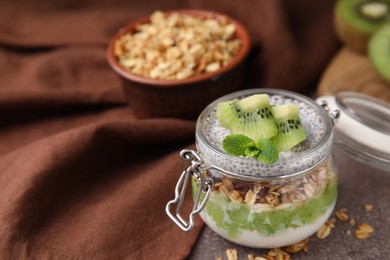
[
  {"x": 291, "y": 131},
  {"x": 258, "y": 129},
  {"x": 250, "y": 116},
  {"x": 289, "y": 125}
]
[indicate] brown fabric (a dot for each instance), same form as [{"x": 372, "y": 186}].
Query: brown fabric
[{"x": 81, "y": 177}]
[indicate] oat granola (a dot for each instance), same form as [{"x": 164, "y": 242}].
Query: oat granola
[
  {"x": 302, "y": 245},
  {"x": 342, "y": 215},
  {"x": 232, "y": 254},
  {"x": 368, "y": 207},
  {"x": 177, "y": 46},
  {"x": 253, "y": 257},
  {"x": 324, "y": 231},
  {"x": 279, "y": 254},
  {"x": 363, "y": 231},
  {"x": 265, "y": 194}
]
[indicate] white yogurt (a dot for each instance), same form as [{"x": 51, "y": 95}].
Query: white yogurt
[{"x": 255, "y": 239}]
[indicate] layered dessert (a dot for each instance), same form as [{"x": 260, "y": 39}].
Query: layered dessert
[
  {"x": 264, "y": 214},
  {"x": 272, "y": 187}
]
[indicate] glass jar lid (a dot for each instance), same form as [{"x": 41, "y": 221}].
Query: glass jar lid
[{"x": 363, "y": 127}]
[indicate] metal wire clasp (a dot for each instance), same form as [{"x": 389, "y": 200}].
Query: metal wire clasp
[
  {"x": 334, "y": 114},
  {"x": 194, "y": 169}
]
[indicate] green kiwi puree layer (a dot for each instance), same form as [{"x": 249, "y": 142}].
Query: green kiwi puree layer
[{"x": 232, "y": 216}]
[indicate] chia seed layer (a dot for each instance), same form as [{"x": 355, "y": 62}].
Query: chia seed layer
[{"x": 305, "y": 155}]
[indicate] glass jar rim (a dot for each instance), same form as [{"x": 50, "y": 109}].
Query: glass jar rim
[{"x": 325, "y": 138}]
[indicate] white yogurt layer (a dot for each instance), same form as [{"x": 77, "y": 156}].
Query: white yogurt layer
[{"x": 282, "y": 238}]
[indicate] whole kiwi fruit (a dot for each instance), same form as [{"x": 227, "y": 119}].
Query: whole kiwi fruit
[
  {"x": 357, "y": 20},
  {"x": 379, "y": 51}
]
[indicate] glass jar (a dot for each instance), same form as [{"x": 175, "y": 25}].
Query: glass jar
[
  {"x": 363, "y": 131},
  {"x": 253, "y": 203}
]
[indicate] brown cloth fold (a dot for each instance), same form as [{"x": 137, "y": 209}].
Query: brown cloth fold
[{"x": 80, "y": 176}]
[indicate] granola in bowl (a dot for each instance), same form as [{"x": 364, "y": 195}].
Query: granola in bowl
[
  {"x": 174, "y": 63},
  {"x": 177, "y": 46}
]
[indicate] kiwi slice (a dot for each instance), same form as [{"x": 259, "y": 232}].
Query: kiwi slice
[
  {"x": 251, "y": 116},
  {"x": 356, "y": 20},
  {"x": 290, "y": 129},
  {"x": 379, "y": 51}
]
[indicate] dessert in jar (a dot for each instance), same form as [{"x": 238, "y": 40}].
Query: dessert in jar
[{"x": 248, "y": 195}]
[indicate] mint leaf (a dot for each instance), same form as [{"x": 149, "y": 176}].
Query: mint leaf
[
  {"x": 268, "y": 152},
  {"x": 252, "y": 151},
  {"x": 241, "y": 145},
  {"x": 237, "y": 144}
]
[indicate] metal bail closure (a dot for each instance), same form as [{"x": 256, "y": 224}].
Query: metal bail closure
[
  {"x": 206, "y": 184},
  {"x": 334, "y": 114}
]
